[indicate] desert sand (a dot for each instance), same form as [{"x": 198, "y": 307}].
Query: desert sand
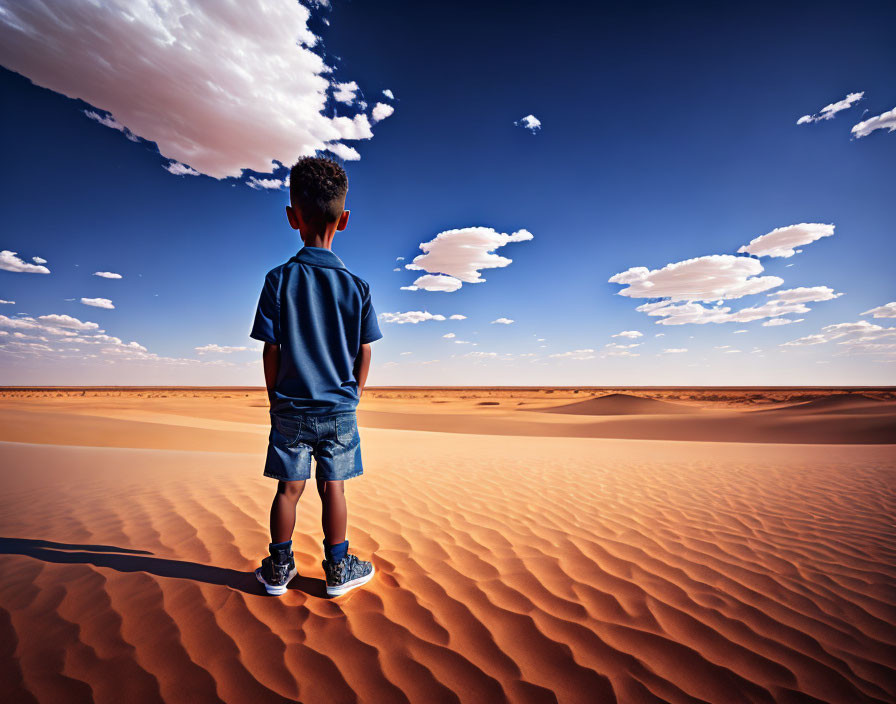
[{"x": 531, "y": 545}]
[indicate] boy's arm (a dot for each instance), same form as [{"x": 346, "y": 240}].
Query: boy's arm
[
  {"x": 362, "y": 366},
  {"x": 270, "y": 356}
]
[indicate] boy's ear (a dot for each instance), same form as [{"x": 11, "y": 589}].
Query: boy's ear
[
  {"x": 292, "y": 216},
  {"x": 343, "y": 220}
]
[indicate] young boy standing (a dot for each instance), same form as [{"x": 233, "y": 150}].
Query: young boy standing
[{"x": 317, "y": 322}]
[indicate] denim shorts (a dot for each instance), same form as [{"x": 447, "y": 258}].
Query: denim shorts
[{"x": 332, "y": 440}]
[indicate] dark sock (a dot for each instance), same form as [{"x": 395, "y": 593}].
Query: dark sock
[
  {"x": 336, "y": 553},
  {"x": 286, "y": 545}
]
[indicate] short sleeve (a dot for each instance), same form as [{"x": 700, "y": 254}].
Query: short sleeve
[
  {"x": 370, "y": 330},
  {"x": 267, "y": 316}
]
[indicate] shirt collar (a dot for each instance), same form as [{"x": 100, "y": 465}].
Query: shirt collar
[{"x": 318, "y": 256}]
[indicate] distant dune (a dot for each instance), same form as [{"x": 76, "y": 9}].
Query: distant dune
[
  {"x": 838, "y": 403},
  {"x": 620, "y": 405}
]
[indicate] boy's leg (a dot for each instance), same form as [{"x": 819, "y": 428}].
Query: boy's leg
[
  {"x": 334, "y": 515},
  {"x": 283, "y": 510}
]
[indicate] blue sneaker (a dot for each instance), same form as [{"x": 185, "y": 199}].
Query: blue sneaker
[
  {"x": 344, "y": 576},
  {"x": 277, "y": 571}
]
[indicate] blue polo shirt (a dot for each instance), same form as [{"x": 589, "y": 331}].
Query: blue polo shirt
[{"x": 320, "y": 314}]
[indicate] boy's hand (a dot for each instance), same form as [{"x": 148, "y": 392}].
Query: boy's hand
[
  {"x": 270, "y": 357},
  {"x": 362, "y": 366}
]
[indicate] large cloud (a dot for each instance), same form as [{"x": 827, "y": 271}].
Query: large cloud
[
  {"x": 462, "y": 253},
  {"x": 884, "y": 121},
  {"x": 885, "y": 311},
  {"x": 828, "y": 111},
  {"x": 218, "y": 86},
  {"x": 11, "y": 262},
  {"x": 713, "y": 277},
  {"x": 782, "y": 241}
]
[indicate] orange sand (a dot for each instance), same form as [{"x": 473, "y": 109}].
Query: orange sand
[{"x": 521, "y": 555}]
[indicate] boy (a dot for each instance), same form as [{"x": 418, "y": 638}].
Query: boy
[{"x": 317, "y": 322}]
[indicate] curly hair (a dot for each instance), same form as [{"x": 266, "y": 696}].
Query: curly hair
[{"x": 317, "y": 188}]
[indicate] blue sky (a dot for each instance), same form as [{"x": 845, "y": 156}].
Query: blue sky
[{"x": 667, "y": 134}]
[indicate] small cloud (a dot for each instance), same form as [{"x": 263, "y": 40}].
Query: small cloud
[
  {"x": 10, "y": 262},
  {"x": 529, "y": 122},
  {"x": 38, "y": 260},
  {"x": 178, "y": 169},
  {"x": 737, "y": 332},
  {"x": 575, "y": 354},
  {"x": 457, "y": 316},
  {"x": 381, "y": 111},
  {"x": 884, "y": 121},
  {"x": 67, "y": 321},
  {"x": 675, "y": 350},
  {"x": 828, "y": 111},
  {"x": 631, "y": 334},
  {"x": 885, "y": 311},
  {"x": 266, "y": 184},
  {"x": 434, "y": 282},
  {"x": 782, "y": 241},
  {"x": 219, "y": 349},
  {"x": 398, "y": 268},
  {"x": 98, "y": 302},
  {"x": 345, "y": 92},
  {"x": 112, "y": 123},
  {"x": 6, "y": 303},
  {"x": 399, "y": 259},
  {"x": 449, "y": 335},
  {"x": 660, "y": 334},
  {"x": 502, "y": 321},
  {"x": 389, "y": 94},
  {"x": 405, "y": 353},
  {"x": 462, "y": 253},
  {"x": 107, "y": 275},
  {"x": 411, "y": 316}
]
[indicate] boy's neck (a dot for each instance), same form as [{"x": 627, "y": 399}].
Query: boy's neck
[{"x": 323, "y": 240}]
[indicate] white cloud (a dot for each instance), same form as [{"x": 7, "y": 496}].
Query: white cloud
[
  {"x": 807, "y": 340},
  {"x": 660, "y": 334},
  {"x": 709, "y": 278},
  {"x": 675, "y": 350},
  {"x": 828, "y": 111},
  {"x": 345, "y": 92},
  {"x": 107, "y": 274},
  {"x": 220, "y": 87},
  {"x": 884, "y": 121},
  {"x": 389, "y": 94},
  {"x": 860, "y": 337},
  {"x": 219, "y": 349},
  {"x": 6, "y": 303},
  {"x": 632, "y": 334},
  {"x": 457, "y": 316},
  {"x": 887, "y": 310},
  {"x": 112, "y": 123},
  {"x": 398, "y": 268},
  {"x": 381, "y": 111},
  {"x": 178, "y": 169},
  {"x": 613, "y": 349},
  {"x": 575, "y": 354},
  {"x": 399, "y": 259},
  {"x": 738, "y": 332},
  {"x": 449, "y": 335},
  {"x": 463, "y": 252},
  {"x": 266, "y": 184},
  {"x": 782, "y": 241},
  {"x": 781, "y": 321},
  {"x": 10, "y": 262},
  {"x": 67, "y": 321},
  {"x": 97, "y": 302},
  {"x": 38, "y": 260},
  {"x": 433, "y": 282},
  {"x": 411, "y": 316},
  {"x": 529, "y": 122},
  {"x": 502, "y": 321},
  {"x": 731, "y": 351},
  {"x": 805, "y": 294}
]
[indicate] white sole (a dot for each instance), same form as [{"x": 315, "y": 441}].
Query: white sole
[
  {"x": 348, "y": 586},
  {"x": 272, "y": 589}
]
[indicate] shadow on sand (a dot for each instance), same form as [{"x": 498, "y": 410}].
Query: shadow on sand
[{"x": 126, "y": 560}]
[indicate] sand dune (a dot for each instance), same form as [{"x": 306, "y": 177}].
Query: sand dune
[
  {"x": 510, "y": 569},
  {"x": 840, "y": 403},
  {"x": 619, "y": 405}
]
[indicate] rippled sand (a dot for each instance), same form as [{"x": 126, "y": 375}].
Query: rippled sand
[{"x": 521, "y": 568}]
